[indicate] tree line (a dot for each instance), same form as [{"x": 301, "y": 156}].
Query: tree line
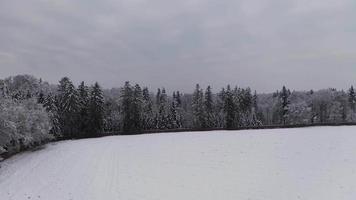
[{"x": 34, "y": 111}]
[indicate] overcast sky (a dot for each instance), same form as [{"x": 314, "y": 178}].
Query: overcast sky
[{"x": 304, "y": 44}]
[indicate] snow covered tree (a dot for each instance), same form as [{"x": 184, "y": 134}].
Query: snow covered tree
[
  {"x": 284, "y": 96},
  {"x": 175, "y": 117},
  {"x": 199, "y": 114},
  {"x": 256, "y": 115},
  {"x": 178, "y": 99},
  {"x": 136, "y": 109},
  {"x": 209, "y": 108},
  {"x": 68, "y": 108},
  {"x": 4, "y": 91},
  {"x": 147, "y": 110},
  {"x": 229, "y": 109},
  {"x": 162, "y": 115},
  {"x": 352, "y": 102},
  {"x": 50, "y": 104},
  {"x": 23, "y": 124},
  {"x": 95, "y": 111},
  {"x": 83, "y": 95},
  {"x": 126, "y": 101},
  {"x": 112, "y": 115},
  {"x": 244, "y": 106},
  {"x": 219, "y": 109},
  {"x": 40, "y": 98},
  {"x": 158, "y": 97}
]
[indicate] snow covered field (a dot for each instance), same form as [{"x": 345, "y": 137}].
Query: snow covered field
[{"x": 284, "y": 164}]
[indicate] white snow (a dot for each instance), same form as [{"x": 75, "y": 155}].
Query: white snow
[{"x": 281, "y": 164}]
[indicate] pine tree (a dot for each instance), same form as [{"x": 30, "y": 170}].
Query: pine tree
[
  {"x": 175, "y": 112},
  {"x": 209, "y": 108},
  {"x": 40, "y": 98},
  {"x": 50, "y": 105},
  {"x": 178, "y": 99},
  {"x": 158, "y": 96},
  {"x": 173, "y": 116},
  {"x": 148, "y": 117},
  {"x": 96, "y": 111},
  {"x": 352, "y": 101},
  {"x": 178, "y": 109},
  {"x": 162, "y": 116},
  {"x": 126, "y": 100},
  {"x": 219, "y": 109},
  {"x": 284, "y": 96},
  {"x": 83, "y": 92},
  {"x": 229, "y": 109},
  {"x": 199, "y": 115},
  {"x": 68, "y": 108},
  {"x": 136, "y": 109},
  {"x": 245, "y": 106},
  {"x": 256, "y": 113}
]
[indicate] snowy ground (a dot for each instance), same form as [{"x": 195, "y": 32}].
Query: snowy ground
[{"x": 286, "y": 164}]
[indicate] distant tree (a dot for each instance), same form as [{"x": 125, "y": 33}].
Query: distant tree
[
  {"x": 209, "y": 108},
  {"x": 40, "y": 98},
  {"x": 4, "y": 91},
  {"x": 96, "y": 111},
  {"x": 352, "y": 101},
  {"x": 244, "y": 106},
  {"x": 83, "y": 95},
  {"x": 284, "y": 96},
  {"x": 68, "y": 108},
  {"x": 178, "y": 99},
  {"x": 198, "y": 108},
  {"x": 229, "y": 108},
  {"x": 158, "y": 96},
  {"x": 219, "y": 109},
  {"x": 136, "y": 109},
  {"x": 126, "y": 101},
  {"x": 50, "y": 104},
  {"x": 257, "y": 116},
  {"x": 173, "y": 116},
  {"x": 147, "y": 107},
  {"x": 112, "y": 115},
  {"x": 162, "y": 115}
]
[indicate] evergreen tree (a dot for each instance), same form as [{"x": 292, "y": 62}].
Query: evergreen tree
[
  {"x": 68, "y": 108},
  {"x": 178, "y": 99},
  {"x": 199, "y": 115},
  {"x": 352, "y": 101},
  {"x": 284, "y": 96},
  {"x": 209, "y": 108},
  {"x": 96, "y": 111},
  {"x": 219, "y": 110},
  {"x": 178, "y": 109},
  {"x": 126, "y": 100},
  {"x": 175, "y": 112},
  {"x": 83, "y": 92},
  {"x": 50, "y": 105},
  {"x": 162, "y": 116},
  {"x": 173, "y": 116},
  {"x": 229, "y": 108},
  {"x": 245, "y": 100},
  {"x": 40, "y": 98},
  {"x": 158, "y": 96},
  {"x": 148, "y": 117},
  {"x": 257, "y": 116},
  {"x": 136, "y": 109}
]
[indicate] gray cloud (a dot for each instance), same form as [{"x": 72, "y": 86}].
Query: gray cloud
[{"x": 263, "y": 44}]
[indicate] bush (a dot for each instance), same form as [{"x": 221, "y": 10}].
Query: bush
[{"x": 23, "y": 125}]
